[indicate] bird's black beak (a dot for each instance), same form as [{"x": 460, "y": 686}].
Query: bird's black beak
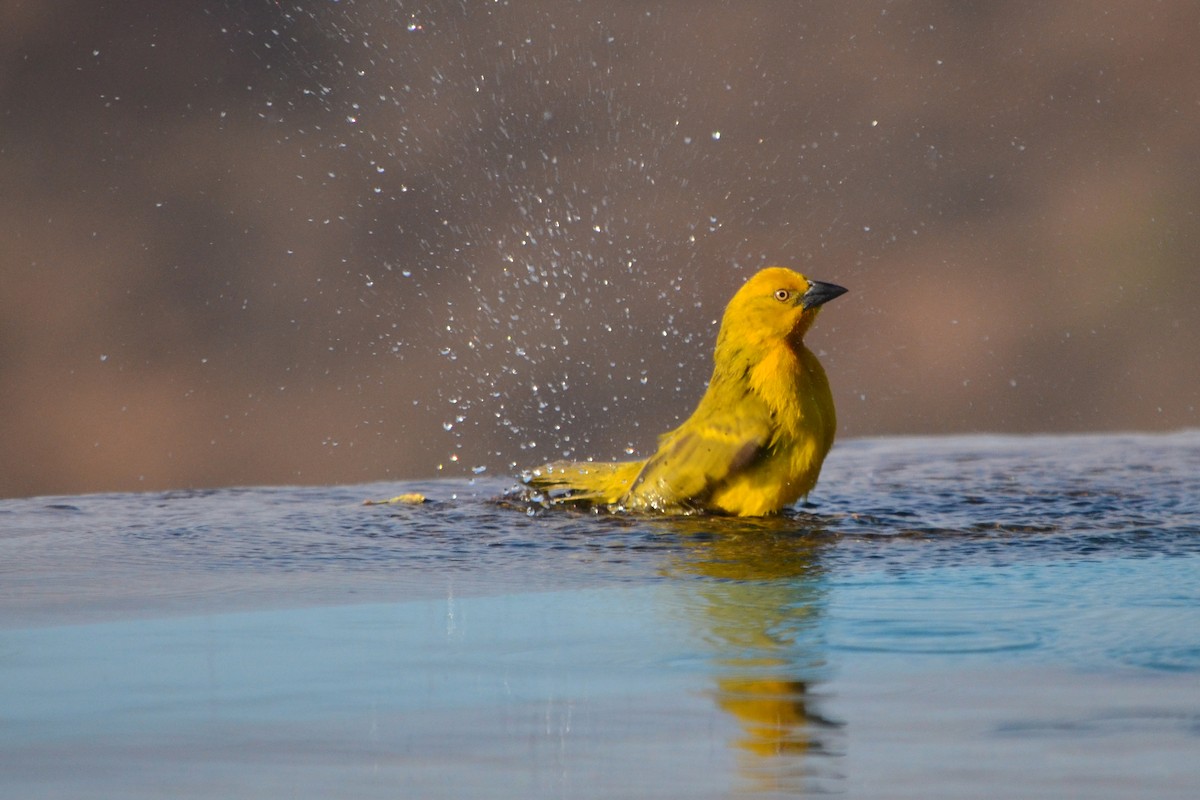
[{"x": 820, "y": 293}]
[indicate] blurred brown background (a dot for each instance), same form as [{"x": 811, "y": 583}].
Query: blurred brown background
[{"x": 313, "y": 242}]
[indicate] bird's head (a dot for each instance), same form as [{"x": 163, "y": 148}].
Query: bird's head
[{"x": 776, "y": 303}]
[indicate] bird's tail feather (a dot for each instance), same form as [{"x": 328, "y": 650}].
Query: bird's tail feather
[{"x": 584, "y": 482}]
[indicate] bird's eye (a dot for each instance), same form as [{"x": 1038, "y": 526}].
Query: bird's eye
[{"x": 783, "y": 295}]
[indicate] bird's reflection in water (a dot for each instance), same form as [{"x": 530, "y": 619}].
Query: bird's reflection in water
[{"x": 754, "y": 591}]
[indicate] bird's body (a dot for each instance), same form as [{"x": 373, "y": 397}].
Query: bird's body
[{"x": 758, "y": 437}]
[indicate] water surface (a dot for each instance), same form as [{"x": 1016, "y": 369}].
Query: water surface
[{"x": 962, "y": 617}]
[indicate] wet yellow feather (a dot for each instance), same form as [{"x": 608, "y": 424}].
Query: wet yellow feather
[{"x": 758, "y": 437}]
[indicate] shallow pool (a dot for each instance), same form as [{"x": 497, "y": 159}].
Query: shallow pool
[{"x": 962, "y": 617}]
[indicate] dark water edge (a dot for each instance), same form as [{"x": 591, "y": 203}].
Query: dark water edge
[
  {"x": 890, "y": 504},
  {"x": 950, "y": 617}
]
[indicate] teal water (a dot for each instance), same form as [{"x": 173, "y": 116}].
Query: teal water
[{"x": 962, "y": 617}]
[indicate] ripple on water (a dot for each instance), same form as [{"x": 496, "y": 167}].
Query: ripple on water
[
  {"x": 899, "y": 635},
  {"x": 1166, "y": 658}
]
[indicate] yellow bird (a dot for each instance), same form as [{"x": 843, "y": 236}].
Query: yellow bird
[{"x": 756, "y": 441}]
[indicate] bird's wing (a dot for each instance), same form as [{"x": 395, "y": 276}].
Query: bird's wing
[{"x": 700, "y": 455}]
